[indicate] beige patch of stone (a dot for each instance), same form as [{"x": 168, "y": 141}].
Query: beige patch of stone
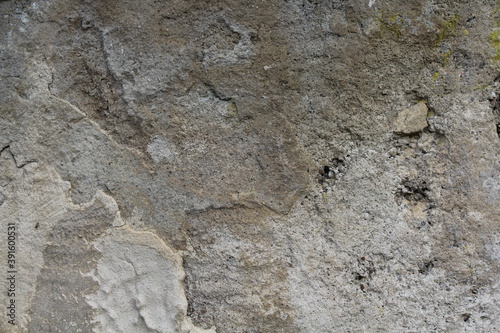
[
  {"x": 141, "y": 285},
  {"x": 411, "y": 120}
]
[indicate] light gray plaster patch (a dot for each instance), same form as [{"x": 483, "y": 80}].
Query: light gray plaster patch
[{"x": 141, "y": 287}]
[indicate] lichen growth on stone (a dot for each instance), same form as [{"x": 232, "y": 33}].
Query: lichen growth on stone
[
  {"x": 494, "y": 40},
  {"x": 449, "y": 29},
  {"x": 496, "y": 15},
  {"x": 391, "y": 24}
]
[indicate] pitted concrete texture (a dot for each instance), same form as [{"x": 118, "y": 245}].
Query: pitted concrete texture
[{"x": 250, "y": 166}]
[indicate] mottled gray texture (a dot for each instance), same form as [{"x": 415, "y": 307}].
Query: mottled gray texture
[{"x": 297, "y": 166}]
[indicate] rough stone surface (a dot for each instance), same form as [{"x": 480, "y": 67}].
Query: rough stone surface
[
  {"x": 412, "y": 120},
  {"x": 264, "y": 166}
]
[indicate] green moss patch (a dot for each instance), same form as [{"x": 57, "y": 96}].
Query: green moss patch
[{"x": 495, "y": 42}]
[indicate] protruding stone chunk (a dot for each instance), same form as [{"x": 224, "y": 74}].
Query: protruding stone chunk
[{"x": 411, "y": 120}]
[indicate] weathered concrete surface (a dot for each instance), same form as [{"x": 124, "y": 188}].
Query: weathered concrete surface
[{"x": 264, "y": 166}]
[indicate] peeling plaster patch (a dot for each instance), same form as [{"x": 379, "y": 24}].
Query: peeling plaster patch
[
  {"x": 161, "y": 150},
  {"x": 40, "y": 198},
  {"x": 140, "y": 278},
  {"x": 141, "y": 288}
]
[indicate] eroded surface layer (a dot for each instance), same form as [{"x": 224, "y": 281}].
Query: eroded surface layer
[{"x": 265, "y": 166}]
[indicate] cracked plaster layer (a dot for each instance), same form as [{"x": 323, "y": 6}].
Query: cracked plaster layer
[
  {"x": 252, "y": 166},
  {"x": 73, "y": 261}
]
